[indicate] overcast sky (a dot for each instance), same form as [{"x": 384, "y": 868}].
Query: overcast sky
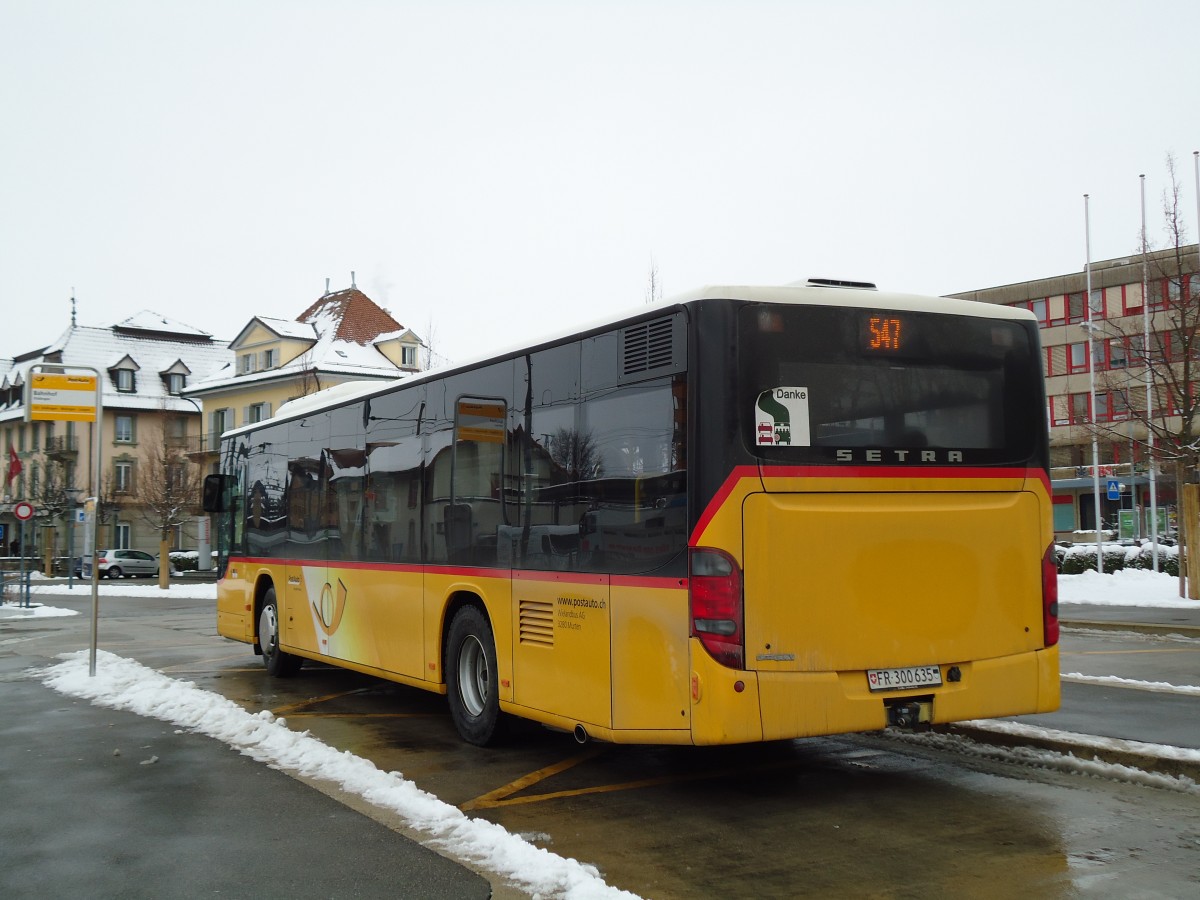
[{"x": 500, "y": 169}]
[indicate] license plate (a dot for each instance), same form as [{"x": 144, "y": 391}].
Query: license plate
[{"x": 903, "y": 679}]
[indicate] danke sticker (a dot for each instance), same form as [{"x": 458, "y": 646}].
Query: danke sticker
[{"x": 781, "y": 418}]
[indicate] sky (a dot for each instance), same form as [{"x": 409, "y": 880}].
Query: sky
[
  {"x": 123, "y": 683},
  {"x": 494, "y": 171}
]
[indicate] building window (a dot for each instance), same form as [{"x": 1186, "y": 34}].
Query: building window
[
  {"x": 121, "y": 536},
  {"x": 269, "y": 361},
  {"x": 1041, "y": 310},
  {"x": 1075, "y": 307},
  {"x": 257, "y": 412},
  {"x": 124, "y": 430},
  {"x": 175, "y": 384},
  {"x": 1131, "y": 300},
  {"x": 1079, "y": 409},
  {"x": 1117, "y": 357},
  {"x": 1119, "y": 406},
  {"x": 123, "y": 477},
  {"x": 125, "y": 380},
  {"x": 246, "y": 363},
  {"x": 1077, "y": 360},
  {"x": 408, "y": 357}
]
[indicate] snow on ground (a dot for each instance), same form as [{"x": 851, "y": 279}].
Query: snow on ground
[
  {"x": 124, "y": 684},
  {"x": 1128, "y": 587}
]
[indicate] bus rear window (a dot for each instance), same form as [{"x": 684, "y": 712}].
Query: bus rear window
[{"x": 827, "y": 383}]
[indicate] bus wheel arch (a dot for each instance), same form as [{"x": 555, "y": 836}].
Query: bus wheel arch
[
  {"x": 266, "y": 616},
  {"x": 469, "y": 663}
]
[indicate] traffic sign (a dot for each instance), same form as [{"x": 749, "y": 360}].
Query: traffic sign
[
  {"x": 23, "y": 511},
  {"x": 1114, "y": 489}
]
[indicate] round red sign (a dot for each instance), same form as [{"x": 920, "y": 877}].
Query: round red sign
[{"x": 23, "y": 511}]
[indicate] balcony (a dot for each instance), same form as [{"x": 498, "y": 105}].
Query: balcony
[
  {"x": 202, "y": 445},
  {"x": 62, "y": 447}
]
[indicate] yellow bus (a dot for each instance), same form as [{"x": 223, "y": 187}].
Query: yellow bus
[{"x": 749, "y": 514}]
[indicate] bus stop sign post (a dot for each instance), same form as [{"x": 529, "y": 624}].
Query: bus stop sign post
[{"x": 54, "y": 394}]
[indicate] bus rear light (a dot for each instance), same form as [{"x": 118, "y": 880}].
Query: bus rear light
[
  {"x": 715, "y": 593},
  {"x": 1050, "y": 598}
]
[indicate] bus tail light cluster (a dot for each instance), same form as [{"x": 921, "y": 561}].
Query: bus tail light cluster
[
  {"x": 715, "y": 592},
  {"x": 1050, "y": 597}
]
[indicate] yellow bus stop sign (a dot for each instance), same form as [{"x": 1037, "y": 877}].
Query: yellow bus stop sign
[{"x": 61, "y": 398}]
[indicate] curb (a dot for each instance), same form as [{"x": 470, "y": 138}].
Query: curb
[
  {"x": 1190, "y": 631},
  {"x": 1146, "y": 762}
]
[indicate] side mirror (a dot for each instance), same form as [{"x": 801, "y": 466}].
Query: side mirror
[{"x": 214, "y": 492}]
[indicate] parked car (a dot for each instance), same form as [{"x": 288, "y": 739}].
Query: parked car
[{"x": 119, "y": 563}]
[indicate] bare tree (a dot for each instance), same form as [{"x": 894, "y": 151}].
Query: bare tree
[
  {"x": 51, "y": 497},
  {"x": 167, "y": 486},
  {"x": 433, "y": 359},
  {"x": 1170, "y": 360},
  {"x": 576, "y": 453},
  {"x": 653, "y": 284}
]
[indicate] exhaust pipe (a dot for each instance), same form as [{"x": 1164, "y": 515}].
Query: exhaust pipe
[{"x": 581, "y": 735}]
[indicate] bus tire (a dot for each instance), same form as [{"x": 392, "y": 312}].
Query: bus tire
[
  {"x": 471, "y": 678},
  {"x": 277, "y": 663}
]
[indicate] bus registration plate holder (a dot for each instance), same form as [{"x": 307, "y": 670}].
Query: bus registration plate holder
[{"x": 903, "y": 678}]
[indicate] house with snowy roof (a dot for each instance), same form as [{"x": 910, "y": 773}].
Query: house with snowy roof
[
  {"x": 145, "y": 363},
  {"x": 342, "y": 336}
]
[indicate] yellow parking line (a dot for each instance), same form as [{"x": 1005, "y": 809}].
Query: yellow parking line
[
  {"x": 321, "y": 715},
  {"x": 497, "y": 797},
  {"x": 502, "y": 796},
  {"x": 292, "y": 708}
]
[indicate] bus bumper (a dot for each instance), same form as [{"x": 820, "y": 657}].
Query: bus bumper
[{"x": 731, "y": 706}]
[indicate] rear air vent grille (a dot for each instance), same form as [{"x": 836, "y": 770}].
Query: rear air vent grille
[
  {"x": 647, "y": 346},
  {"x": 537, "y": 622}
]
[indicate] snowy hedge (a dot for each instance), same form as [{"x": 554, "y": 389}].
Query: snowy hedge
[{"x": 1080, "y": 558}]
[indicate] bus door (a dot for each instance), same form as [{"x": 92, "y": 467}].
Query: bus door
[{"x": 309, "y": 605}]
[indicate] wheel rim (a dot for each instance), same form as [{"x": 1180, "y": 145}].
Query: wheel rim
[
  {"x": 268, "y": 631},
  {"x": 114, "y": 572},
  {"x": 472, "y": 676}
]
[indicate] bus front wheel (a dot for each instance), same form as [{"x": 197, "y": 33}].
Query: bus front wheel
[
  {"x": 471, "y": 677},
  {"x": 278, "y": 663}
]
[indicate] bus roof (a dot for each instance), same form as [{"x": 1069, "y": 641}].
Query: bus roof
[{"x": 799, "y": 294}]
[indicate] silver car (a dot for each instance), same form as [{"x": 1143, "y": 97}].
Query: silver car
[{"x": 116, "y": 563}]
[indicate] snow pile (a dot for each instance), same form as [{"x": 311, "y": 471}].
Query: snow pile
[
  {"x": 124, "y": 684},
  {"x": 1128, "y": 587}
]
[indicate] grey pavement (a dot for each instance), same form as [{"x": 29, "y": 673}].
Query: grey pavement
[{"x": 101, "y": 803}]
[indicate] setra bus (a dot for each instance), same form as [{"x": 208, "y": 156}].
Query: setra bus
[{"x": 748, "y": 514}]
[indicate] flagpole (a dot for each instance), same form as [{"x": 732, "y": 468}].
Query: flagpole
[
  {"x": 1149, "y": 376},
  {"x": 1089, "y": 325}
]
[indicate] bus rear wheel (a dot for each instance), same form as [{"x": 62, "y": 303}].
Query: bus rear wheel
[
  {"x": 278, "y": 663},
  {"x": 471, "y": 678}
]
